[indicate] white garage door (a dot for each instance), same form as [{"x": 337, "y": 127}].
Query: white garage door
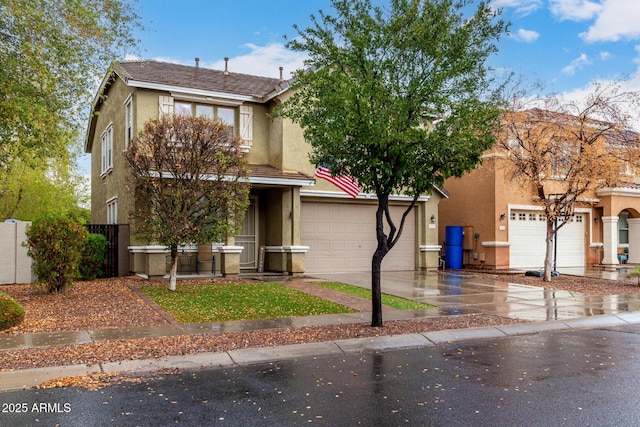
[
  {"x": 342, "y": 238},
  {"x": 527, "y": 233}
]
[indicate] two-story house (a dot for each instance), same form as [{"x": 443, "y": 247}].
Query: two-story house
[
  {"x": 505, "y": 228},
  {"x": 294, "y": 224}
]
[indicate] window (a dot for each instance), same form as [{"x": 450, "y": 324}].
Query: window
[
  {"x": 532, "y": 217},
  {"x": 522, "y": 217},
  {"x": 564, "y": 155},
  {"x": 623, "y": 228},
  {"x": 512, "y": 216},
  {"x": 182, "y": 109},
  {"x": 205, "y": 111},
  {"x": 112, "y": 211},
  {"x": 107, "y": 150},
  {"x": 128, "y": 122},
  {"x": 225, "y": 114}
]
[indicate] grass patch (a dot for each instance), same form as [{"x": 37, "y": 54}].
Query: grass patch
[
  {"x": 224, "y": 302},
  {"x": 388, "y": 300}
]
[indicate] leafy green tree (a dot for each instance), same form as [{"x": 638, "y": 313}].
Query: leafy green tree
[
  {"x": 29, "y": 193},
  {"x": 190, "y": 181},
  {"x": 397, "y": 98},
  {"x": 51, "y": 52}
]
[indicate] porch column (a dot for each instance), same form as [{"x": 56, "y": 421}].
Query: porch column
[
  {"x": 610, "y": 240},
  {"x": 634, "y": 240}
]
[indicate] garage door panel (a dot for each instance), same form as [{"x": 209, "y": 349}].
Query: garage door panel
[
  {"x": 527, "y": 238},
  {"x": 352, "y": 238}
]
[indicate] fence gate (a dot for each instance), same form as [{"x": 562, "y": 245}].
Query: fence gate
[{"x": 110, "y": 231}]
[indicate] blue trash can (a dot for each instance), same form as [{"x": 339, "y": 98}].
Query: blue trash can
[{"x": 454, "y": 237}]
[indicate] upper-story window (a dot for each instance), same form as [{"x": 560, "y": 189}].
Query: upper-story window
[
  {"x": 239, "y": 120},
  {"x": 128, "y": 122},
  {"x": 225, "y": 114},
  {"x": 107, "y": 149}
]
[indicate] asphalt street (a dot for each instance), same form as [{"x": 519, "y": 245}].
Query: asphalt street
[{"x": 577, "y": 378}]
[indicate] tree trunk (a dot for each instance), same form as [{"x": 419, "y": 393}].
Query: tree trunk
[
  {"x": 376, "y": 290},
  {"x": 376, "y": 263},
  {"x": 173, "y": 272},
  {"x": 548, "y": 259}
]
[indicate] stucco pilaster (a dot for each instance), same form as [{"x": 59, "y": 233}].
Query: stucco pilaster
[
  {"x": 610, "y": 240},
  {"x": 634, "y": 240},
  {"x": 230, "y": 260}
]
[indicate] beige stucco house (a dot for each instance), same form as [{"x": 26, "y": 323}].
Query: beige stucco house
[
  {"x": 295, "y": 223},
  {"x": 504, "y": 226}
]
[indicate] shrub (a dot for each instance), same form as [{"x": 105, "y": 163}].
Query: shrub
[
  {"x": 93, "y": 255},
  {"x": 11, "y": 313},
  {"x": 55, "y": 245}
]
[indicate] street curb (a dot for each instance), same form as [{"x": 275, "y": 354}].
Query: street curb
[{"x": 26, "y": 378}]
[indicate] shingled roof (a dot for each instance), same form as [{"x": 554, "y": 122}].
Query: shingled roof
[{"x": 184, "y": 76}]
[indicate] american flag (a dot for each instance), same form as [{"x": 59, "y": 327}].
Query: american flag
[{"x": 345, "y": 183}]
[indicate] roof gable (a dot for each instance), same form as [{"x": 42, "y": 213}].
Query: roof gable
[{"x": 186, "y": 80}]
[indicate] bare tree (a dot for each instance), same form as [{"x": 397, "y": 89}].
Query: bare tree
[
  {"x": 566, "y": 150},
  {"x": 190, "y": 183}
]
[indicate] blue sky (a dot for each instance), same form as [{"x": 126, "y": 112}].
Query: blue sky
[{"x": 567, "y": 44}]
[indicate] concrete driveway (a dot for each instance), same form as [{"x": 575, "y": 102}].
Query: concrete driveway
[{"x": 457, "y": 293}]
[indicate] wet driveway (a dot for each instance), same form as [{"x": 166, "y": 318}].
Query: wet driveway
[{"x": 458, "y": 293}]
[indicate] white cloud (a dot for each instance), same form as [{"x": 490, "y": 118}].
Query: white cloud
[
  {"x": 575, "y": 10},
  {"x": 616, "y": 20},
  {"x": 581, "y": 95},
  {"x": 604, "y": 56},
  {"x": 522, "y": 7},
  {"x": 527, "y": 36},
  {"x": 264, "y": 61},
  {"x": 576, "y": 64}
]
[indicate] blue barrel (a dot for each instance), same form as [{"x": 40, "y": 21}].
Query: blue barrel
[{"x": 454, "y": 237}]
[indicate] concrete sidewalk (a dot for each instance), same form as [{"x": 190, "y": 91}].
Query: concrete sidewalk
[
  {"x": 26, "y": 378},
  {"x": 453, "y": 294}
]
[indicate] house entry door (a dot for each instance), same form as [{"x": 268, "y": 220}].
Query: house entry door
[{"x": 247, "y": 238}]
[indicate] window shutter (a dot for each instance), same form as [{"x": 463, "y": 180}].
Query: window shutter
[
  {"x": 246, "y": 124},
  {"x": 166, "y": 105}
]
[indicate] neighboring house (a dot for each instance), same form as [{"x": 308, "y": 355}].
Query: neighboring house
[
  {"x": 299, "y": 223},
  {"x": 504, "y": 227}
]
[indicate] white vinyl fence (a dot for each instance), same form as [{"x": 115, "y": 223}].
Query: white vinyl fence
[{"x": 15, "y": 264}]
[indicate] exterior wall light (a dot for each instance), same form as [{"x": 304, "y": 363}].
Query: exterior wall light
[{"x": 433, "y": 218}]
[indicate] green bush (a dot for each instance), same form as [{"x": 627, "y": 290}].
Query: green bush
[
  {"x": 55, "y": 245},
  {"x": 11, "y": 313},
  {"x": 93, "y": 256}
]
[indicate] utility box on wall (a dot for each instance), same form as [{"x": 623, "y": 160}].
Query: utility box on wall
[
  {"x": 468, "y": 238},
  {"x": 15, "y": 264}
]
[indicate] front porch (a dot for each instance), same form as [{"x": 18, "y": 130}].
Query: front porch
[
  {"x": 619, "y": 211},
  {"x": 269, "y": 241}
]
